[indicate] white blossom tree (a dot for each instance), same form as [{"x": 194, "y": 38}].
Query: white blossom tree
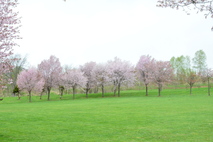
[
  {"x": 120, "y": 72},
  {"x": 163, "y": 73},
  {"x": 88, "y": 69},
  {"x": 50, "y": 70},
  {"x": 30, "y": 80},
  {"x": 9, "y": 32},
  {"x": 145, "y": 68},
  {"x": 74, "y": 78},
  {"x": 101, "y": 75}
]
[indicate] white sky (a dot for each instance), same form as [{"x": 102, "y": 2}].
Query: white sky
[{"x": 80, "y": 31}]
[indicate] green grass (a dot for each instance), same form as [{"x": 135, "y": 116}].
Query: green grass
[{"x": 176, "y": 116}]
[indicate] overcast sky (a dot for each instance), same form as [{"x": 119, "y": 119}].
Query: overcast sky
[{"x": 80, "y": 31}]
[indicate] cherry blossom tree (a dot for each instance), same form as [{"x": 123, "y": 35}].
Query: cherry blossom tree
[
  {"x": 163, "y": 73},
  {"x": 74, "y": 78},
  {"x": 145, "y": 68},
  {"x": 120, "y": 72},
  {"x": 50, "y": 70},
  {"x": 204, "y": 6},
  {"x": 9, "y": 32},
  {"x": 88, "y": 69},
  {"x": 30, "y": 80},
  {"x": 101, "y": 75}
]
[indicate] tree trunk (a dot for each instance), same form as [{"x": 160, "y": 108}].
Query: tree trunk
[
  {"x": 102, "y": 87},
  {"x": 87, "y": 91},
  {"x": 40, "y": 96},
  {"x": 191, "y": 89},
  {"x": 209, "y": 87},
  {"x": 48, "y": 93},
  {"x": 115, "y": 90},
  {"x": 30, "y": 100},
  {"x": 119, "y": 88},
  {"x": 146, "y": 89},
  {"x": 19, "y": 97},
  {"x": 61, "y": 92},
  {"x": 73, "y": 92},
  {"x": 159, "y": 89},
  {"x": 96, "y": 90}
]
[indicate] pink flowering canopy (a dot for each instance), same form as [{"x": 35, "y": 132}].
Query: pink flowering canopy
[
  {"x": 74, "y": 78},
  {"x": 30, "y": 80},
  {"x": 51, "y": 71},
  {"x": 121, "y": 71},
  {"x": 163, "y": 72},
  {"x": 9, "y": 30},
  {"x": 88, "y": 69},
  {"x": 145, "y": 67}
]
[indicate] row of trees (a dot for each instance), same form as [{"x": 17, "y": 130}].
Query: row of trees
[
  {"x": 116, "y": 73},
  {"x": 49, "y": 74},
  {"x": 191, "y": 71}
]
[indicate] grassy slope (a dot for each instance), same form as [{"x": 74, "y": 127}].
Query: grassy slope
[{"x": 176, "y": 116}]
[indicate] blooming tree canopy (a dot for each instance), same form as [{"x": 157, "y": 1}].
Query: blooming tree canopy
[
  {"x": 87, "y": 69},
  {"x": 9, "y": 30},
  {"x": 145, "y": 68},
  {"x": 163, "y": 73},
  {"x": 50, "y": 70},
  {"x": 120, "y": 72},
  {"x": 101, "y": 75},
  {"x": 74, "y": 78},
  {"x": 30, "y": 80}
]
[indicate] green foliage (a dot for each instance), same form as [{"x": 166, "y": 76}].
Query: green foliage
[
  {"x": 199, "y": 61},
  {"x": 16, "y": 90},
  {"x": 176, "y": 116},
  {"x": 181, "y": 66}
]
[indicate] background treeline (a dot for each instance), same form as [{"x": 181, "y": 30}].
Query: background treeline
[{"x": 111, "y": 76}]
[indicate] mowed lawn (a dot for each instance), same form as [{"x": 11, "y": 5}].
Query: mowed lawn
[{"x": 175, "y": 116}]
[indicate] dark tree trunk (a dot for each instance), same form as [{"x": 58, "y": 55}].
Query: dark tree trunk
[
  {"x": 30, "y": 99},
  {"x": 87, "y": 91},
  {"x": 48, "y": 93},
  {"x": 146, "y": 89},
  {"x": 43, "y": 91},
  {"x": 209, "y": 87},
  {"x": 119, "y": 88},
  {"x": 115, "y": 90},
  {"x": 40, "y": 96},
  {"x": 96, "y": 90},
  {"x": 61, "y": 92},
  {"x": 102, "y": 87},
  {"x": 19, "y": 96},
  {"x": 191, "y": 89},
  {"x": 159, "y": 89},
  {"x": 73, "y": 92}
]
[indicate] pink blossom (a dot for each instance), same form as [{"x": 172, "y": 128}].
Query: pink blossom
[
  {"x": 9, "y": 30},
  {"x": 50, "y": 70},
  {"x": 30, "y": 80}
]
